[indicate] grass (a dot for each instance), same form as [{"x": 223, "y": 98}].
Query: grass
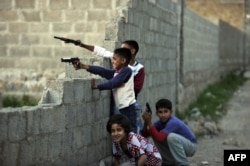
[
  {"x": 212, "y": 101},
  {"x": 16, "y": 101}
]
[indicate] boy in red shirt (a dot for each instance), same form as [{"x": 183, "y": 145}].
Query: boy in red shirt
[{"x": 173, "y": 138}]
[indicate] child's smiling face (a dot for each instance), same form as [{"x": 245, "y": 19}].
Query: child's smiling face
[
  {"x": 118, "y": 62},
  {"x": 118, "y": 133}
]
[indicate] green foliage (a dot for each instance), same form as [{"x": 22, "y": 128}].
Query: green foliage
[
  {"x": 213, "y": 99},
  {"x": 15, "y": 101}
]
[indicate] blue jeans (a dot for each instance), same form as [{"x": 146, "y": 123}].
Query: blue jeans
[
  {"x": 132, "y": 112},
  {"x": 175, "y": 149}
]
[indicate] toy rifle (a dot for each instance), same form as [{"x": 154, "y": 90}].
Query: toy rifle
[{"x": 67, "y": 40}]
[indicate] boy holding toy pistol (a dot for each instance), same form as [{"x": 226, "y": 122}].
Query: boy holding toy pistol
[
  {"x": 120, "y": 80},
  {"x": 173, "y": 138},
  {"x": 137, "y": 68}
]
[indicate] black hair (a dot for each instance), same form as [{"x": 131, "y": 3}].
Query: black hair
[
  {"x": 163, "y": 103},
  {"x": 133, "y": 44},
  {"x": 121, "y": 120},
  {"x": 124, "y": 53}
]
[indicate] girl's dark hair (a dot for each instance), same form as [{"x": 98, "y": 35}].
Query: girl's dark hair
[
  {"x": 121, "y": 120},
  {"x": 163, "y": 103},
  {"x": 124, "y": 53},
  {"x": 132, "y": 44}
]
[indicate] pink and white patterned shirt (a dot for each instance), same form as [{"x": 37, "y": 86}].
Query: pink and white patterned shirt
[{"x": 136, "y": 142}]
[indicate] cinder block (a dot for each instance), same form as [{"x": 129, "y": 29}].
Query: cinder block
[
  {"x": 88, "y": 91},
  {"x": 67, "y": 142},
  {"x": 63, "y": 52},
  {"x": 62, "y": 27},
  {"x": 78, "y": 137},
  {"x": 3, "y": 27},
  {"x": 39, "y": 28},
  {"x": 82, "y": 156},
  {"x": 75, "y": 16},
  {"x": 55, "y": 145},
  {"x": 81, "y": 114},
  {"x": 91, "y": 156},
  {"x": 59, "y": 4},
  {"x": 82, "y": 27},
  {"x": 98, "y": 15},
  {"x": 4, "y": 5},
  {"x": 25, "y": 4},
  {"x": 30, "y": 40},
  {"x": 70, "y": 116},
  {"x": 7, "y": 15},
  {"x": 18, "y": 27},
  {"x": 77, "y": 4},
  {"x": 99, "y": 109},
  {"x": 3, "y": 126},
  {"x": 9, "y": 39},
  {"x": 68, "y": 92},
  {"x": 41, "y": 51},
  {"x": 27, "y": 152},
  {"x": 19, "y": 51},
  {"x": 52, "y": 119},
  {"x": 33, "y": 120},
  {"x": 52, "y": 16},
  {"x": 79, "y": 90},
  {"x": 32, "y": 16},
  {"x": 10, "y": 154},
  {"x": 90, "y": 112},
  {"x": 16, "y": 125},
  {"x": 41, "y": 148},
  {"x": 103, "y": 4}
]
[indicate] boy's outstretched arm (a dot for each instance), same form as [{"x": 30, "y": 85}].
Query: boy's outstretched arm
[
  {"x": 96, "y": 50},
  {"x": 87, "y": 46}
]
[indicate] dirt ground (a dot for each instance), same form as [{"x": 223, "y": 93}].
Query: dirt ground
[{"x": 235, "y": 132}]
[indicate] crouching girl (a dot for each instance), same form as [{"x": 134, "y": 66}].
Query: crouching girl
[{"x": 130, "y": 148}]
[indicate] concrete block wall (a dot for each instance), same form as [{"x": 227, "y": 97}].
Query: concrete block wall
[
  {"x": 154, "y": 25},
  {"x": 29, "y": 54},
  {"x": 211, "y": 50},
  {"x": 68, "y": 127},
  {"x": 200, "y": 57},
  {"x": 231, "y": 48}
]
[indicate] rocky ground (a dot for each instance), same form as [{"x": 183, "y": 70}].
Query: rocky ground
[{"x": 234, "y": 132}]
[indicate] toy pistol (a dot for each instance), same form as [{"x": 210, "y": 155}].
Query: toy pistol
[
  {"x": 148, "y": 108},
  {"x": 70, "y": 60}
]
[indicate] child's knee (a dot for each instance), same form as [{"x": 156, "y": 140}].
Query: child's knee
[{"x": 172, "y": 137}]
